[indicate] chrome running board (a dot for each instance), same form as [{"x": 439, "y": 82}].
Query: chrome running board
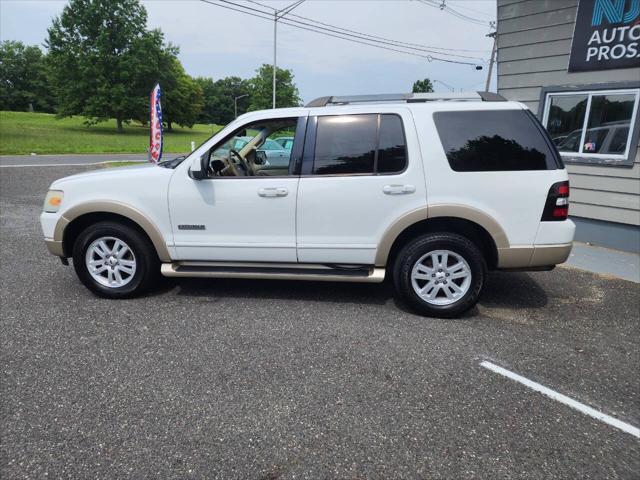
[{"x": 274, "y": 271}]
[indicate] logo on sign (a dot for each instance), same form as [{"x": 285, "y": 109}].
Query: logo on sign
[{"x": 606, "y": 36}]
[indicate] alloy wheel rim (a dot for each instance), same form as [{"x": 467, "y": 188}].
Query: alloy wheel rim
[
  {"x": 110, "y": 262},
  {"x": 441, "y": 277}
]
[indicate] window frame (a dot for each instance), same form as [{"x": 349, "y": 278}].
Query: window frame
[
  {"x": 610, "y": 159},
  {"x": 308, "y": 158}
]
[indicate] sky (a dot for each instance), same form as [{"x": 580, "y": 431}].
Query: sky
[{"x": 217, "y": 42}]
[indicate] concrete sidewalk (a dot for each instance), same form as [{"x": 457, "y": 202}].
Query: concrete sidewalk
[{"x": 605, "y": 261}]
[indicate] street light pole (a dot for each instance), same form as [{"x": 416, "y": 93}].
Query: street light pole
[
  {"x": 277, "y": 15},
  {"x": 275, "y": 33},
  {"x": 235, "y": 104}
]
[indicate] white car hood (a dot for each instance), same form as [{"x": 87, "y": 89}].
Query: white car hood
[{"x": 144, "y": 172}]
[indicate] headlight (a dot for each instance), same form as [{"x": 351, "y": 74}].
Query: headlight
[{"x": 53, "y": 200}]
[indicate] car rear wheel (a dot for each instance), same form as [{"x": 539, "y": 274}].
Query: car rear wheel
[
  {"x": 440, "y": 274},
  {"x": 115, "y": 260}
]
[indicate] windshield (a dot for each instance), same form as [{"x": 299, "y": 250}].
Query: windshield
[{"x": 271, "y": 145}]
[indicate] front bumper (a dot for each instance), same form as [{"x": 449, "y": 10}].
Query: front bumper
[
  {"x": 54, "y": 247},
  {"x": 49, "y": 224}
]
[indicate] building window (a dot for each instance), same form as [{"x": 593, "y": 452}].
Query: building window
[{"x": 592, "y": 125}]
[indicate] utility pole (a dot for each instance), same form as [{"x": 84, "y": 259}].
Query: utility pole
[
  {"x": 277, "y": 15},
  {"x": 235, "y": 104},
  {"x": 493, "y": 35}
]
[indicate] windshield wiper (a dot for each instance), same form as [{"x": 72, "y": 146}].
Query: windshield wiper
[{"x": 173, "y": 163}]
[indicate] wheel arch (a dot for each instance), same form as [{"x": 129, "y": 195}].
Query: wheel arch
[
  {"x": 469, "y": 222},
  {"x": 77, "y": 218}
]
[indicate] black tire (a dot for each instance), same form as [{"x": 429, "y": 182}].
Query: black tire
[
  {"x": 416, "y": 249},
  {"x": 147, "y": 263}
]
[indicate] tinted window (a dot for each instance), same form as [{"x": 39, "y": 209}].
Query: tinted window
[
  {"x": 619, "y": 141},
  {"x": 566, "y": 117},
  {"x": 392, "y": 148},
  {"x": 496, "y": 140},
  {"x": 345, "y": 144},
  {"x": 608, "y": 112}
]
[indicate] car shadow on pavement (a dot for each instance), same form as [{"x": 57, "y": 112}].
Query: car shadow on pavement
[
  {"x": 502, "y": 290},
  {"x": 333, "y": 292},
  {"x": 513, "y": 290}
]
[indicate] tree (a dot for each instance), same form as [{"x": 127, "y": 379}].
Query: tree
[
  {"x": 23, "y": 78},
  {"x": 422, "y": 86},
  {"x": 182, "y": 97},
  {"x": 219, "y": 98},
  {"x": 103, "y": 60},
  {"x": 260, "y": 86}
]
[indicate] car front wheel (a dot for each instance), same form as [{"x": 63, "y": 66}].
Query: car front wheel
[
  {"x": 114, "y": 260},
  {"x": 440, "y": 274}
]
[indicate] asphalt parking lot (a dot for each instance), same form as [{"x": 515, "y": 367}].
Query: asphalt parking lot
[{"x": 268, "y": 380}]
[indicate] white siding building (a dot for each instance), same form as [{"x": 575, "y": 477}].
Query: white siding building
[{"x": 576, "y": 64}]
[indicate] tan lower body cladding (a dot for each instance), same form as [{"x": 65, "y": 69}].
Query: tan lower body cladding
[{"x": 533, "y": 256}]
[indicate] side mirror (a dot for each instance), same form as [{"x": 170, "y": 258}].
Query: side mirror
[
  {"x": 217, "y": 165},
  {"x": 261, "y": 157},
  {"x": 204, "y": 165}
]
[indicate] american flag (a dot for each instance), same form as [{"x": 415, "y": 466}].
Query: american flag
[{"x": 155, "y": 140}]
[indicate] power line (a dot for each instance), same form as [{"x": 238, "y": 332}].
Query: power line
[
  {"x": 345, "y": 36},
  {"x": 465, "y": 7},
  {"x": 445, "y": 8},
  {"x": 359, "y": 36},
  {"x": 409, "y": 44}
]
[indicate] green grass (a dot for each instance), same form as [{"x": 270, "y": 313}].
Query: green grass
[{"x": 22, "y": 133}]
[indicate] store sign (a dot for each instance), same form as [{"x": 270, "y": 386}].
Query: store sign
[{"x": 606, "y": 36}]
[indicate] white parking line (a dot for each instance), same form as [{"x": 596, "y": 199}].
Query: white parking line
[
  {"x": 614, "y": 422},
  {"x": 70, "y": 164}
]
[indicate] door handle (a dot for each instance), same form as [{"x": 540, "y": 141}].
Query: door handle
[
  {"x": 273, "y": 192},
  {"x": 398, "y": 189}
]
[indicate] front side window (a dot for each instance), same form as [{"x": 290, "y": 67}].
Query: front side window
[
  {"x": 359, "y": 144},
  {"x": 254, "y": 151},
  {"x": 493, "y": 140},
  {"x": 593, "y": 124}
]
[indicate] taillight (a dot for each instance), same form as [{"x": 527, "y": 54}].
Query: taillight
[{"x": 557, "y": 206}]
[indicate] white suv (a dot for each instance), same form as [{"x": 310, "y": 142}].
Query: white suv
[{"x": 431, "y": 192}]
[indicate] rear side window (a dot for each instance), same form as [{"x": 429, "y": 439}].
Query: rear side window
[
  {"x": 345, "y": 144},
  {"x": 392, "y": 149},
  {"x": 493, "y": 140},
  {"x": 359, "y": 144}
]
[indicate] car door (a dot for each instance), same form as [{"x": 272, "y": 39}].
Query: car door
[
  {"x": 239, "y": 219},
  {"x": 357, "y": 179}
]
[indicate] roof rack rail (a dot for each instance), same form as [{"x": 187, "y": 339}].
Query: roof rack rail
[{"x": 406, "y": 97}]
